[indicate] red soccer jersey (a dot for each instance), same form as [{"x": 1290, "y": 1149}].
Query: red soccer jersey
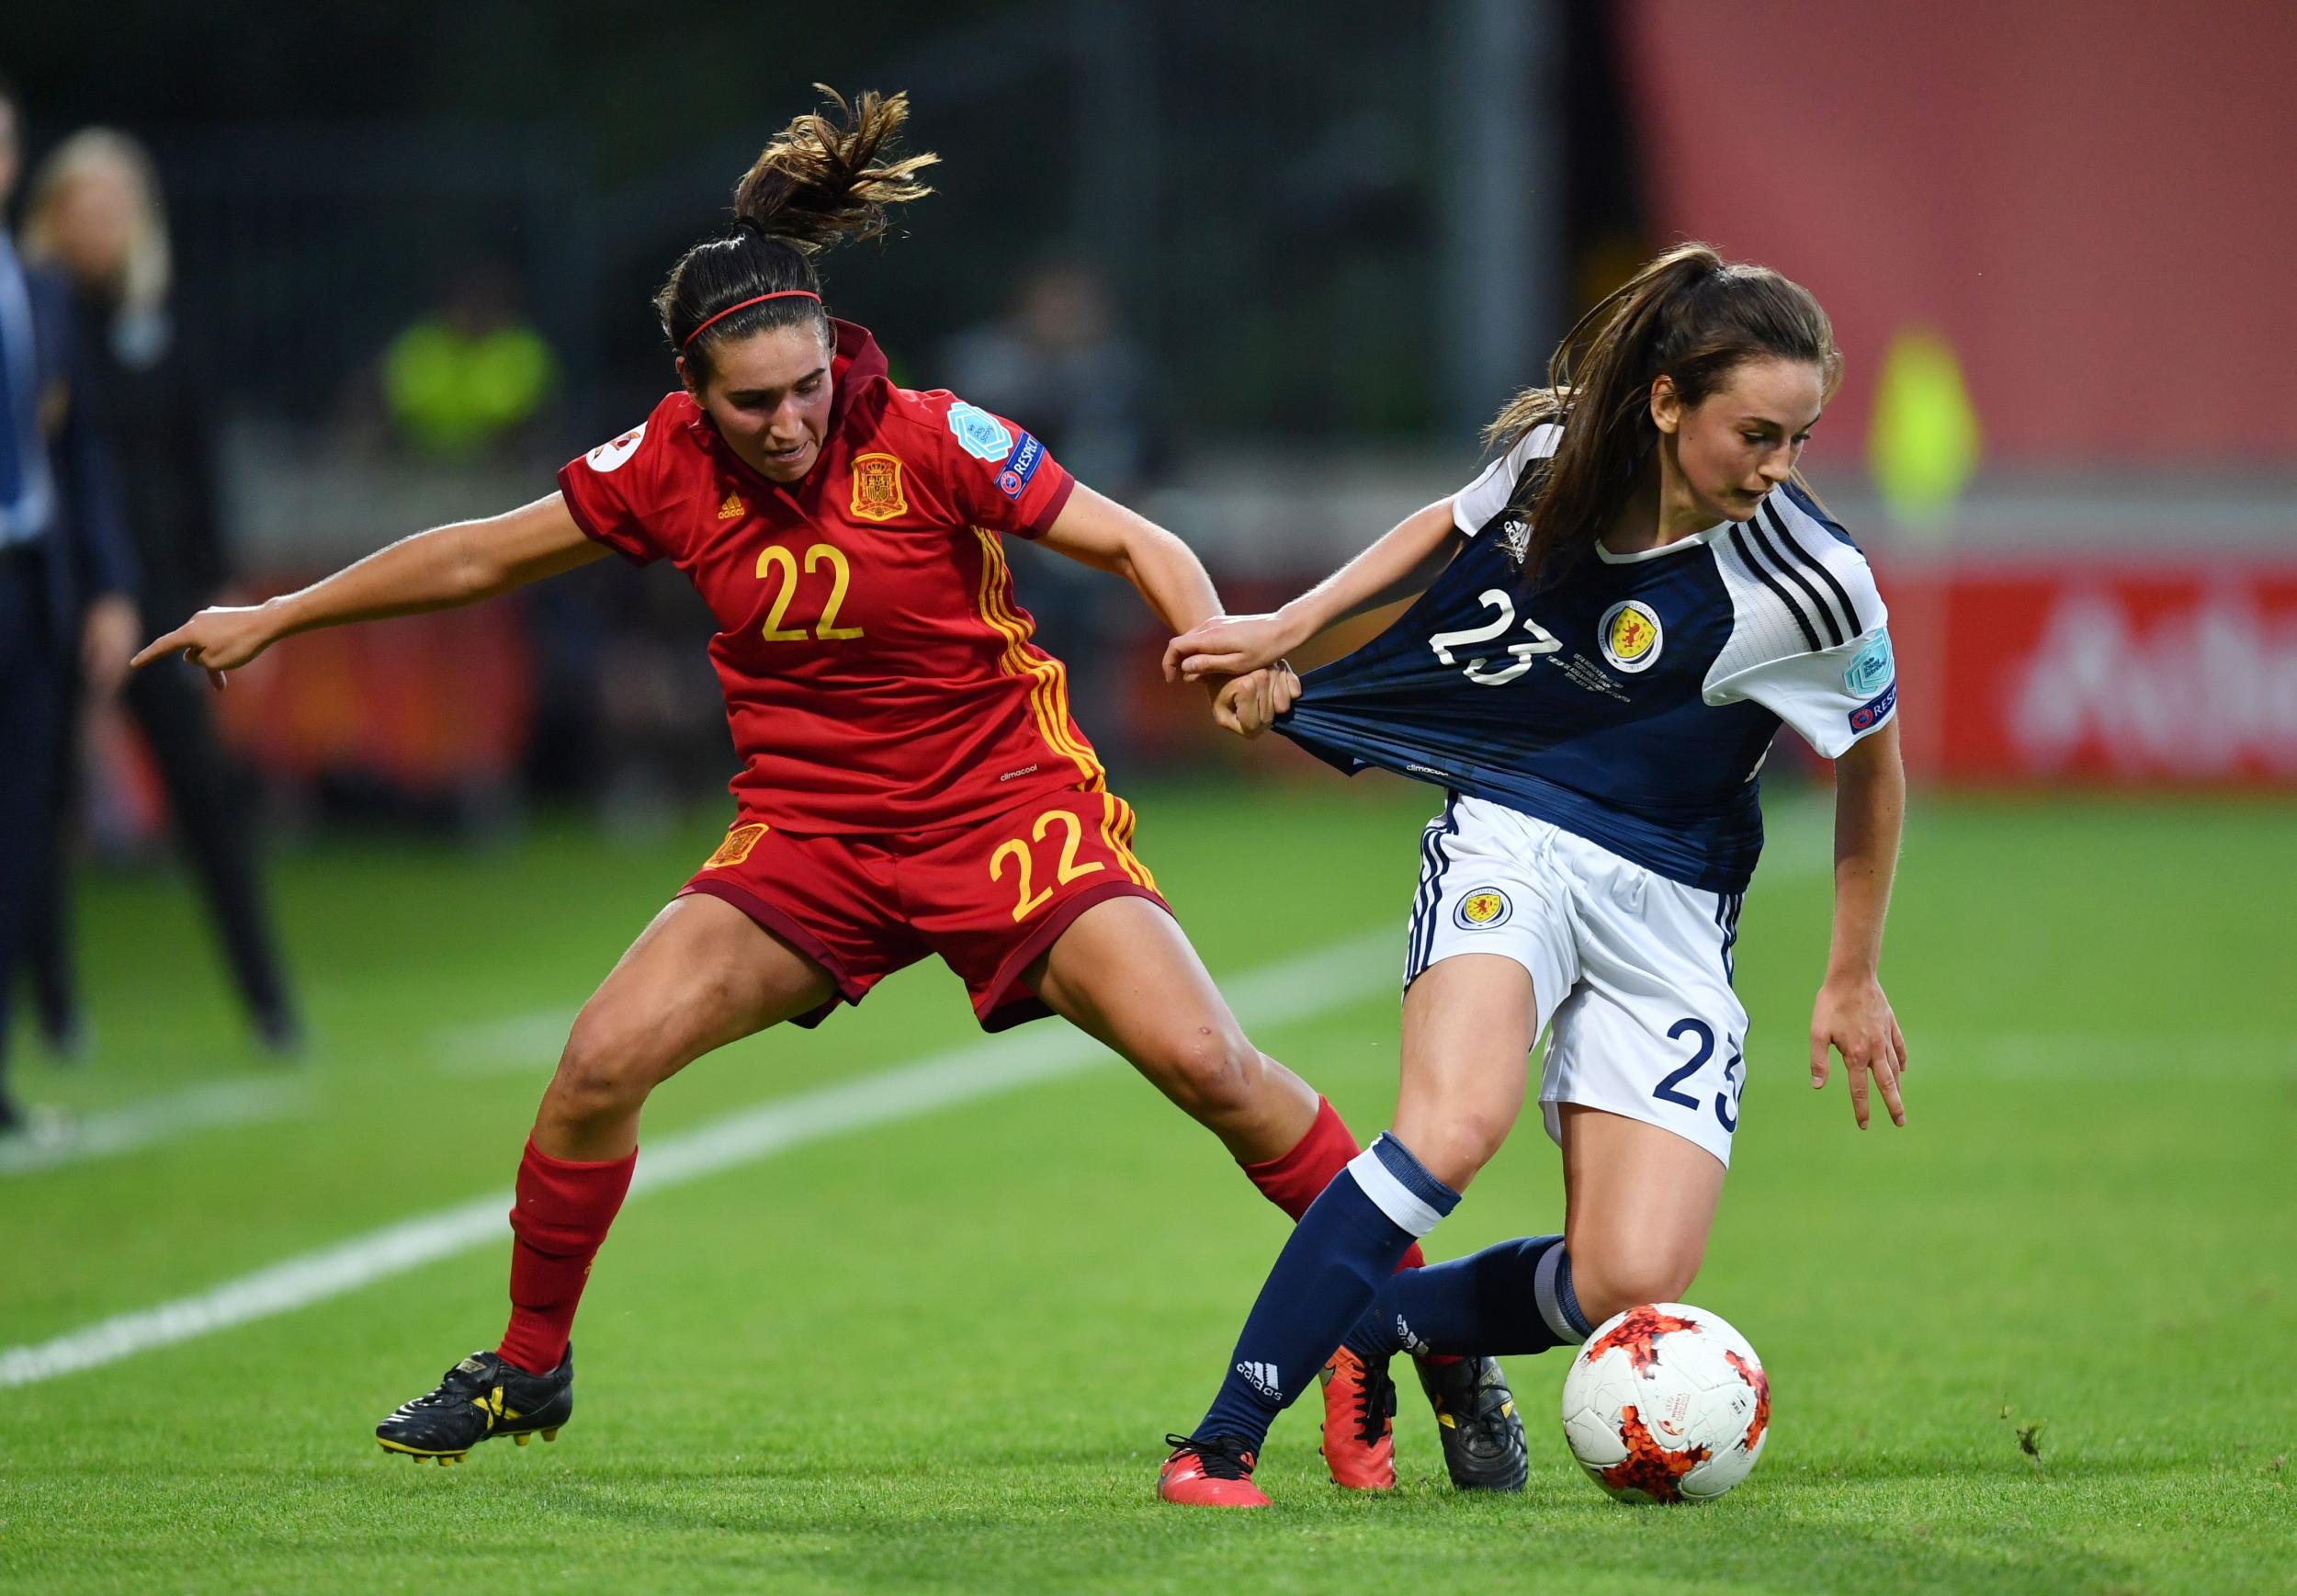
[{"x": 878, "y": 670}]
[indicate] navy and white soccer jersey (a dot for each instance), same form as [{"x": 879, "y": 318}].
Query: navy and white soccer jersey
[
  {"x": 1631, "y": 701},
  {"x": 1601, "y": 734}
]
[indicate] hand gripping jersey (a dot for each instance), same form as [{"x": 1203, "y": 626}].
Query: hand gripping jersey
[
  {"x": 877, "y": 671},
  {"x": 1633, "y": 700}
]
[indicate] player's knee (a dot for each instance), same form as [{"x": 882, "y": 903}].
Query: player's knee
[
  {"x": 1456, "y": 1127},
  {"x": 1213, "y": 1071},
  {"x": 1606, "y": 1285},
  {"x": 606, "y": 1067},
  {"x": 1454, "y": 1147}
]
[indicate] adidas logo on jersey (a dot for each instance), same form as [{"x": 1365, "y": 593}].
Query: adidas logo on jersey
[
  {"x": 1515, "y": 536},
  {"x": 1264, "y": 1379},
  {"x": 731, "y": 508}
]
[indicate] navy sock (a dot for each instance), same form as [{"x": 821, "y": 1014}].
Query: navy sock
[
  {"x": 1515, "y": 1298},
  {"x": 1351, "y": 1240}
]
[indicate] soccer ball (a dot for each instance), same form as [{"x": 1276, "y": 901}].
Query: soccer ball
[{"x": 1666, "y": 1402}]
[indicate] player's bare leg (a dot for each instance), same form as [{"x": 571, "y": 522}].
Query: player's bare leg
[
  {"x": 1468, "y": 1025},
  {"x": 1639, "y": 1203},
  {"x": 1469, "y": 1022},
  {"x": 701, "y": 975},
  {"x": 1125, "y": 975}
]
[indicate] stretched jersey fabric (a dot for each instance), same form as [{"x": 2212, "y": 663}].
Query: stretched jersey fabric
[
  {"x": 1631, "y": 701},
  {"x": 877, "y": 671}
]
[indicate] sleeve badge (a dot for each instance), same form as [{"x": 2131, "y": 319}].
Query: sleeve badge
[
  {"x": 609, "y": 457},
  {"x": 1871, "y": 669},
  {"x": 979, "y": 433},
  {"x": 1876, "y": 710},
  {"x": 1019, "y": 466}
]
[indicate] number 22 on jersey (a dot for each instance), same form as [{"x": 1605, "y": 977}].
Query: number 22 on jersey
[
  {"x": 777, "y": 564},
  {"x": 1018, "y": 851}
]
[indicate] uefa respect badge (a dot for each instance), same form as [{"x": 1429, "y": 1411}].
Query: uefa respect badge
[{"x": 1027, "y": 455}]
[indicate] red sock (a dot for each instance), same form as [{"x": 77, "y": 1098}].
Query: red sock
[
  {"x": 1298, "y": 1178},
  {"x": 558, "y": 1221}
]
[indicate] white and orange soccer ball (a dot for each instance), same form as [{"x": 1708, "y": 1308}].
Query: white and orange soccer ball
[{"x": 1666, "y": 1402}]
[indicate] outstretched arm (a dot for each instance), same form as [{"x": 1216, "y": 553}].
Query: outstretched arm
[
  {"x": 435, "y": 570},
  {"x": 1101, "y": 533},
  {"x": 1404, "y": 561},
  {"x": 1852, "y": 1016}
]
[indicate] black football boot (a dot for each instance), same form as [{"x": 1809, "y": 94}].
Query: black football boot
[
  {"x": 1483, "y": 1434},
  {"x": 480, "y": 1398}
]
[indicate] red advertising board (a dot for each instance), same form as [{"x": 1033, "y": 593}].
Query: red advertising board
[
  {"x": 2131, "y": 673},
  {"x": 2081, "y": 197},
  {"x": 430, "y": 703}
]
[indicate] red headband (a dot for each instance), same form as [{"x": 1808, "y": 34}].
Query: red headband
[{"x": 729, "y": 309}]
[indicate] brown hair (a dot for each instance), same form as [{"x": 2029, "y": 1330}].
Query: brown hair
[
  {"x": 1689, "y": 315},
  {"x": 818, "y": 183}
]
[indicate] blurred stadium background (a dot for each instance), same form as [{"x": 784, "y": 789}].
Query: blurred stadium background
[
  {"x": 1266, "y": 280},
  {"x": 1263, "y": 271}
]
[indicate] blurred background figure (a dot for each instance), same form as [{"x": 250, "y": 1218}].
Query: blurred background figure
[
  {"x": 95, "y": 213},
  {"x": 472, "y": 375},
  {"x": 1059, "y": 360},
  {"x": 1059, "y": 357},
  {"x": 67, "y": 577}
]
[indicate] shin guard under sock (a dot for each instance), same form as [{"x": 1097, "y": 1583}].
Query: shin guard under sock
[
  {"x": 561, "y": 1217},
  {"x": 1514, "y": 1297},
  {"x": 1299, "y": 1177},
  {"x": 1331, "y": 1266}
]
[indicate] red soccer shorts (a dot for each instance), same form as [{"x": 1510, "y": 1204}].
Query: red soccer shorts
[{"x": 989, "y": 897}]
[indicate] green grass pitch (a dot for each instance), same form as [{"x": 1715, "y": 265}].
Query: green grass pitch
[{"x": 939, "y": 1353}]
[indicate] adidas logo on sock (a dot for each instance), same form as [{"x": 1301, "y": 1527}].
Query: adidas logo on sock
[
  {"x": 1406, "y": 1339},
  {"x": 1264, "y": 1379}
]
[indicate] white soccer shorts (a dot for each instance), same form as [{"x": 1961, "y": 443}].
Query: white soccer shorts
[{"x": 1631, "y": 972}]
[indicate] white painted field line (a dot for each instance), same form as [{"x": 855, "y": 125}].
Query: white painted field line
[
  {"x": 531, "y": 1040},
  {"x": 1295, "y": 988},
  {"x": 244, "y": 1100}
]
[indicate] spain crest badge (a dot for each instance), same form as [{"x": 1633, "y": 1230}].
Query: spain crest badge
[
  {"x": 736, "y": 845},
  {"x": 878, "y": 494}
]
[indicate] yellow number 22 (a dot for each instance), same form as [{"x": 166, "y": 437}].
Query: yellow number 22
[
  {"x": 781, "y": 562},
  {"x": 1019, "y": 852}
]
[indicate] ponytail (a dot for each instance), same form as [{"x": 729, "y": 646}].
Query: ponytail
[
  {"x": 1688, "y": 315},
  {"x": 820, "y": 183}
]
